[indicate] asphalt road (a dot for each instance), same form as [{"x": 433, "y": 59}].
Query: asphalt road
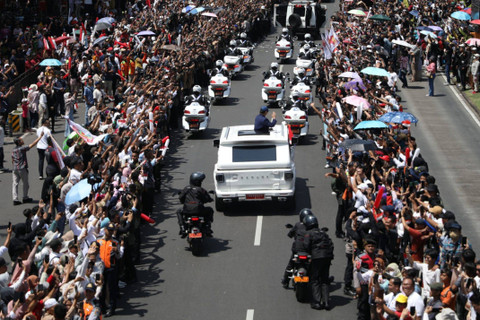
[{"x": 238, "y": 276}]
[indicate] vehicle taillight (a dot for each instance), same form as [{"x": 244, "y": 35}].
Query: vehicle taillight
[
  {"x": 265, "y": 84},
  {"x": 301, "y": 273},
  {"x": 307, "y": 91},
  {"x": 278, "y": 45},
  {"x": 225, "y": 82},
  {"x": 220, "y": 177},
  {"x": 303, "y": 117},
  {"x": 195, "y": 218},
  {"x": 288, "y": 45},
  {"x": 201, "y": 112},
  {"x": 302, "y": 257},
  {"x": 212, "y": 82},
  {"x": 225, "y": 65},
  {"x": 288, "y": 175},
  {"x": 288, "y": 117},
  {"x": 237, "y": 66},
  {"x": 186, "y": 112},
  {"x": 279, "y": 85}
]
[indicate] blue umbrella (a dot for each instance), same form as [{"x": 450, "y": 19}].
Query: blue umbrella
[
  {"x": 414, "y": 13},
  {"x": 370, "y": 124},
  {"x": 99, "y": 40},
  {"x": 398, "y": 117},
  {"x": 197, "y": 10},
  {"x": 79, "y": 191},
  {"x": 51, "y": 63},
  {"x": 373, "y": 71},
  {"x": 188, "y": 8},
  {"x": 460, "y": 15}
]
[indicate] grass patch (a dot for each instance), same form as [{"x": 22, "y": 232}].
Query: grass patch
[{"x": 473, "y": 98}]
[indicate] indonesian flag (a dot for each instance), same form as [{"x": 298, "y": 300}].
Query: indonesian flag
[
  {"x": 59, "y": 152},
  {"x": 82, "y": 35},
  {"x": 86, "y": 135},
  {"x": 45, "y": 44},
  {"x": 149, "y": 4},
  {"x": 327, "y": 51},
  {"x": 69, "y": 68},
  {"x": 52, "y": 43},
  {"x": 119, "y": 72}
]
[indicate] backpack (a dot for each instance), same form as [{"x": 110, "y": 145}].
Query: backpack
[{"x": 192, "y": 203}]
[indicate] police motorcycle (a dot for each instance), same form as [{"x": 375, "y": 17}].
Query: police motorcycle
[
  {"x": 284, "y": 47},
  {"x": 296, "y": 118},
  {"x": 246, "y": 47},
  {"x": 233, "y": 60},
  {"x": 220, "y": 85},
  {"x": 196, "y": 115},
  {"x": 301, "y": 85},
  {"x": 273, "y": 91},
  {"x": 305, "y": 61}
]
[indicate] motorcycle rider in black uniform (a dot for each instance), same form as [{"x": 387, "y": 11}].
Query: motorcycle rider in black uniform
[
  {"x": 244, "y": 41},
  {"x": 301, "y": 78},
  {"x": 274, "y": 72},
  {"x": 219, "y": 69},
  {"x": 295, "y": 102},
  {"x": 193, "y": 197},
  {"x": 306, "y": 54},
  {"x": 321, "y": 248},
  {"x": 308, "y": 40},
  {"x": 297, "y": 229},
  {"x": 286, "y": 35},
  {"x": 197, "y": 96},
  {"x": 232, "y": 49}
]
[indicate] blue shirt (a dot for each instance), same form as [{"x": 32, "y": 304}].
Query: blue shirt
[
  {"x": 262, "y": 124},
  {"x": 88, "y": 93}
]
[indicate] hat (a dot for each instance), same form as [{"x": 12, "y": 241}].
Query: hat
[
  {"x": 110, "y": 226},
  {"x": 90, "y": 287},
  {"x": 453, "y": 225},
  {"x": 50, "y": 303},
  {"x": 436, "y": 286},
  {"x": 2, "y": 262},
  {"x": 401, "y": 298},
  {"x": 55, "y": 243},
  {"x": 105, "y": 222},
  {"x": 436, "y": 210},
  {"x": 263, "y": 109},
  {"x": 448, "y": 215},
  {"x": 362, "y": 186},
  {"x": 476, "y": 55},
  {"x": 420, "y": 221},
  {"x": 446, "y": 314},
  {"x": 385, "y": 158}
]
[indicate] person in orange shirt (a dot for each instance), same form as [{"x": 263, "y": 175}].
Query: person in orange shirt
[
  {"x": 447, "y": 296},
  {"x": 131, "y": 73}
]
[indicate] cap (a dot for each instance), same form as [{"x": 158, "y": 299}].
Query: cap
[
  {"x": 436, "y": 210},
  {"x": 420, "y": 221},
  {"x": 90, "y": 287},
  {"x": 110, "y": 227},
  {"x": 50, "y": 303},
  {"x": 362, "y": 186},
  {"x": 401, "y": 298},
  {"x": 448, "y": 215},
  {"x": 436, "y": 286},
  {"x": 263, "y": 109}
]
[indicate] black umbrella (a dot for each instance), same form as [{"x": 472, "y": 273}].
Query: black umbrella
[{"x": 359, "y": 145}]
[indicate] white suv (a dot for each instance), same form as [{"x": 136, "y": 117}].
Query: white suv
[{"x": 254, "y": 167}]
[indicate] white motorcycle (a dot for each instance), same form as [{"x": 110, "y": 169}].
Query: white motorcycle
[
  {"x": 297, "y": 121},
  {"x": 306, "y": 64},
  {"x": 283, "y": 50},
  {"x": 273, "y": 91},
  {"x": 304, "y": 93},
  {"x": 195, "y": 118},
  {"x": 233, "y": 64},
  {"x": 219, "y": 87},
  {"x": 247, "y": 55}
]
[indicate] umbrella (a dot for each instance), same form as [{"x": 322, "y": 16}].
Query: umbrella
[
  {"x": 79, "y": 191},
  {"x": 171, "y": 47},
  {"x": 468, "y": 10},
  {"x": 370, "y": 124},
  {"x": 354, "y": 84},
  {"x": 99, "y": 40},
  {"x": 349, "y": 74},
  {"x": 380, "y": 17},
  {"x": 473, "y": 42},
  {"x": 376, "y": 72},
  {"x": 61, "y": 39},
  {"x": 460, "y": 15},
  {"x": 435, "y": 28},
  {"x": 209, "y": 14},
  {"x": 429, "y": 34},
  {"x": 357, "y": 12},
  {"x": 398, "y": 117},
  {"x": 104, "y": 23},
  {"x": 421, "y": 28},
  {"x": 414, "y": 13},
  {"x": 146, "y": 33},
  {"x": 357, "y": 101},
  {"x": 188, "y": 8},
  {"x": 197, "y": 10},
  {"x": 403, "y": 43},
  {"x": 358, "y": 145},
  {"x": 477, "y": 21},
  {"x": 50, "y": 63}
]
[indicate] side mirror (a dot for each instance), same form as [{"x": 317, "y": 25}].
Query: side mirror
[
  {"x": 264, "y": 73},
  {"x": 209, "y": 72},
  {"x": 288, "y": 75},
  {"x": 216, "y": 143},
  {"x": 288, "y": 226}
]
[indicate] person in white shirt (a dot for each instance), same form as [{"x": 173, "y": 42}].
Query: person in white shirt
[
  {"x": 430, "y": 271},
  {"x": 42, "y": 145},
  {"x": 414, "y": 299},
  {"x": 42, "y": 106}
]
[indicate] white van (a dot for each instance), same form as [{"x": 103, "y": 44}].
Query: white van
[{"x": 254, "y": 167}]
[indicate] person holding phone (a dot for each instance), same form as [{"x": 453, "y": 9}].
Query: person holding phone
[{"x": 415, "y": 301}]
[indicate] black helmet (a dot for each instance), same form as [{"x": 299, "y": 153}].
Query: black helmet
[
  {"x": 196, "y": 178},
  {"x": 305, "y": 212},
  {"x": 310, "y": 222}
]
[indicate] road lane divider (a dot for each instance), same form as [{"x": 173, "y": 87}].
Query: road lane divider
[
  {"x": 258, "y": 231},
  {"x": 250, "y": 314}
]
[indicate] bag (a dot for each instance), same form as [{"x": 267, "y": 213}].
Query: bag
[
  {"x": 192, "y": 205},
  {"x": 428, "y": 73}
]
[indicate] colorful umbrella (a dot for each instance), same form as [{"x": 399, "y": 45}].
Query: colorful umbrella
[
  {"x": 358, "y": 145},
  {"x": 370, "y": 124},
  {"x": 349, "y": 74},
  {"x": 354, "y": 84},
  {"x": 460, "y": 15},
  {"x": 414, "y": 13},
  {"x": 473, "y": 42},
  {"x": 357, "y": 101},
  {"x": 373, "y": 71},
  {"x": 435, "y": 28},
  {"x": 209, "y": 14},
  {"x": 398, "y": 117},
  {"x": 146, "y": 33},
  {"x": 188, "y": 8},
  {"x": 62, "y": 39},
  {"x": 421, "y": 28},
  {"x": 51, "y": 63},
  {"x": 477, "y": 21},
  {"x": 99, "y": 40},
  {"x": 403, "y": 43},
  {"x": 357, "y": 12},
  {"x": 104, "y": 23},
  {"x": 429, "y": 34},
  {"x": 196, "y": 10},
  {"x": 468, "y": 10},
  {"x": 379, "y": 17}
]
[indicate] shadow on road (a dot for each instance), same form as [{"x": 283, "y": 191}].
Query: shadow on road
[{"x": 212, "y": 245}]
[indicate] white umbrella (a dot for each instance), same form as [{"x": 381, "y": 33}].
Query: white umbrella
[
  {"x": 403, "y": 43},
  {"x": 209, "y": 14},
  {"x": 349, "y": 74},
  {"x": 104, "y": 23},
  {"x": 429, "y": 34}
]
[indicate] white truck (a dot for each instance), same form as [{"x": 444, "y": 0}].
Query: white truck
[
  {"x": 254, "y": 167},
  {"x": 301, "y": 16}
]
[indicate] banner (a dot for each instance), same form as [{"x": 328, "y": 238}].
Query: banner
[
  {"x": 86, "y": 135},
  {"x": 326, "y": 47},
  {"x": 333, "y": 39},
  {"x": 59, "y": 151}
]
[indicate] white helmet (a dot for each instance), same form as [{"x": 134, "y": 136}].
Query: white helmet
[
  {"x": 197, "y": 88},
  {"x": 233, "y": 43},
  {"x": 219, "y": 63},
  {"x": 301, "y": 70},
  {"x": 306, "y": 47},
  {"x": 243, "y": 35},
  {"x": 308, "y": 36},
  {"x": 285, "y": 31},
  {"x": 274, "y": 65}
]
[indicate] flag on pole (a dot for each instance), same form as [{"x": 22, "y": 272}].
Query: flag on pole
[
  {"x": 45, "y": 44},
  {"x": 52, "y": 43},
  {"x": 59, "y": 152},
  {"x": 149, "y": 4},
  {"x": 86, "y": 135},
  {"x": 326, "y": 47},
  {"x": 333, "y": 39}
]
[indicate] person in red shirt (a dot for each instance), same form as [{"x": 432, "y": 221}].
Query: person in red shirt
[{"x": 419, "y": 235}]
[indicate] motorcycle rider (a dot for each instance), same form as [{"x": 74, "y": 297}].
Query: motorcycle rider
[
  {"x": 301, "y": 78},
  {"x": 297, "y": 229},
  {"x": 308, "y": 40},
  {"x": 274, "y": 72},
  {"x": 193, "y": 197},
  {"x": 306, "y": 53},
  {"x": 285, "y": 35},
  {"x": 197, "y": 96},
  {"x": 295, "y": 102},
  {"x": 244, "y": 41},
  {"x": 219, "y": 69},
  {"x": 320, "y": 246},
  {"x": 232, "y": 49}
]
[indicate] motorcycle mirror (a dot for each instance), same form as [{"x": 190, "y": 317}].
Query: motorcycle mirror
[
  {"x": 288, "y": 226},
  {"x": 264, "y": 73}
]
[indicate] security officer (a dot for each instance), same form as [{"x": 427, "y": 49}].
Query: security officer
[
  {"x": 295, "y": 102},
  {"x": 219, "y": 69},
  {"x": 197, "y": 96},
  {"x": 274, "y": 72},
  {"x": 320, "y": 247},
  {"x": 91, "y": 306},
  {"x": 364, "y": 263},
  {"x": 301, "y": 78},
  {"x": 297, "y": 229}
]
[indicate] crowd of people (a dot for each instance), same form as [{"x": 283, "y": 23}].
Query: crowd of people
[
  {"x": 406, "y": 256},
  {"x": 69, "y": 258}
]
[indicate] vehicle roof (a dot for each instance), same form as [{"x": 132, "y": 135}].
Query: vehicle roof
[
  {"x": 245, "y": 134},
  {"x": 302, "y": 2}
]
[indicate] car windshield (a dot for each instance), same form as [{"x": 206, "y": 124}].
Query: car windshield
[
  {"x": 300, "y": 10},
  {"x": 254, "y": 153}
]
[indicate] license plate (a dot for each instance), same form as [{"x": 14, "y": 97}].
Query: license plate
[
  {"x": 304, "y": 98},
  {"x": 283, "y": 51},
  {"x": 283, "y": 55},
  {"x": 272, "y": 96},
  {"x": 194, "y": 125},
  {"x": 295, "y": 131},
  {"x": 195, "y": 235},
  {"x": 218, "y": 93},
  {"x": 300, "y": 279},
  {"x": 255, "y": 196}
]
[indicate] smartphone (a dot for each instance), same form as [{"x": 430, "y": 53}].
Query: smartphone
[
  {"x": 75, "y": 239},
  {"x": 412, "y": 311},
  {"x": 464, "y": 241},
  {"x": 47, "y": 259},
  {"x": 9, "y": 225},
  {"x": 97, "y": 277}
]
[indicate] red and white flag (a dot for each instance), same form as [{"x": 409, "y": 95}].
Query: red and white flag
[
  {"x": 52, "y": 43},
  {"x": 45, "y": 44}
]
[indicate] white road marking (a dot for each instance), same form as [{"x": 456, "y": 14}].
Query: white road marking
[
  {"x": 250, "y": 314},
  {"x": 281, "y": 68},
  {"x": 258, "y": 234},
  {"x": 463, "y": 102}
]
